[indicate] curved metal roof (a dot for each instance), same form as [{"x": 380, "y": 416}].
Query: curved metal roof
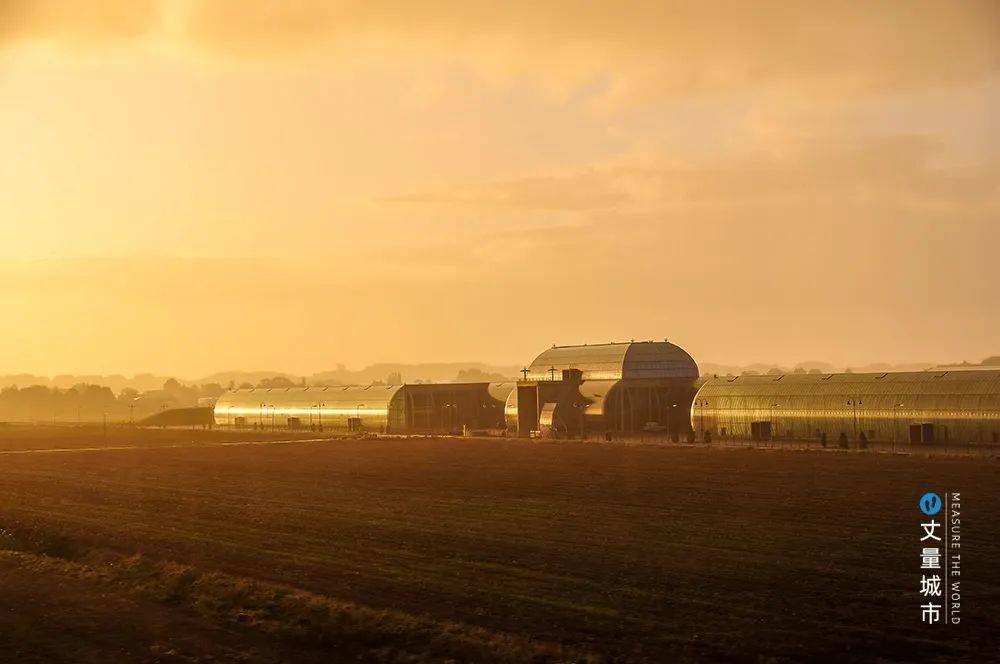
[
  {"x": 966, "y": 402},
  {"x": 500, "y": 391},
  {"x": 595, "y": 393},
  {"x": 339, "y": 401},
  {"x": 615, "y": 361},
  {"x": 924, "y": 383}
]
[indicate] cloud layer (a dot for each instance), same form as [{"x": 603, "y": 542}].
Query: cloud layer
[
  {"x": 634, "y": 49},
  {"x": 365, "y": 181}
]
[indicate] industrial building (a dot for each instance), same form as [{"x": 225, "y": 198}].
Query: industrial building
[
  {"x": 916, "y": 407},
  {"x": 420, "y": 408},
  {"x": 644, "y": 386},
  {"x": 567, "y": 390}
]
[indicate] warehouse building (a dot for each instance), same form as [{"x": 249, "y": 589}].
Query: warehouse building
[
  {"x": 420, "y": 408},
  {"x": 595, "y": 389},
  {"x": 630, "y": 387},
  {"x": 646, "y": 387},
  {"x": 916, "y": 407}
]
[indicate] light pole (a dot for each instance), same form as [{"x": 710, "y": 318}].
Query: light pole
[
  {"x": 895, "y": 423},
  {"x": 320, "y": 415},
  {"x": 855, "y": 403},
  {"x": 670, "y": 417},
  {"x": 773, "y": 427},
  {"x": 700, "y": 404}
]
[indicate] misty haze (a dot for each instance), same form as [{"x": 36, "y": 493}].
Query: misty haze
[{"x": 499, "y": 332}]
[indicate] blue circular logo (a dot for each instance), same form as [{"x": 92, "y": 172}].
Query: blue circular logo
[{"x": 930, "y": 503}]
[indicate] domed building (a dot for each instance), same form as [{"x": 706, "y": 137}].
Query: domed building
[{"x": 631, "y": 387}]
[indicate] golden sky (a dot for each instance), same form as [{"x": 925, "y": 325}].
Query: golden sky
[{"x": 188, "y": 187}]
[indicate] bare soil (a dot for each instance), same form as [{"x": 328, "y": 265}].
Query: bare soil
[{"x": 438, "y": 549}]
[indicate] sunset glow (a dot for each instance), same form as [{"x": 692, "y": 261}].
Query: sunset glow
[{"x": 190, "y": 187}]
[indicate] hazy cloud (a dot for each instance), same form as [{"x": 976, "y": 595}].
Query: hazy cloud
[
  {"x": 632, "y": 49},
  {"x": 588, "y": 191},
  {"x": 806, "y": 180},
  {"x": 77, "y": 22},
  {"x": 830, "y": 170}
]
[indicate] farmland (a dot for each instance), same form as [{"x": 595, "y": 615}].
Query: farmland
[
  {"x": 19, "y": 438},
  {"x": 402, "y": 550}
]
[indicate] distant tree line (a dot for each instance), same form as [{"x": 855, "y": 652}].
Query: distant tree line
[
  {"x": 90, "y": 403},
  {"x": 471, "y": 375}
]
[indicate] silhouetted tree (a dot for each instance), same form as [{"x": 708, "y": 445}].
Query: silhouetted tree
[
  {"x": 41, "y": 403},
  {"x": 127, "y": 395},
  {"x": 213, "y": 390},
  {"x": 479, "y": 376},
  {"x": 277, "y": 381}
]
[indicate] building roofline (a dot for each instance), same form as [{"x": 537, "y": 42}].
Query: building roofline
[{"x": 616, "y": 343}]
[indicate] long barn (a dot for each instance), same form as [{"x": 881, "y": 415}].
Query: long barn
[
  {"x": 420, "y": 408},
  {"x": 917, "y": 407}
]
